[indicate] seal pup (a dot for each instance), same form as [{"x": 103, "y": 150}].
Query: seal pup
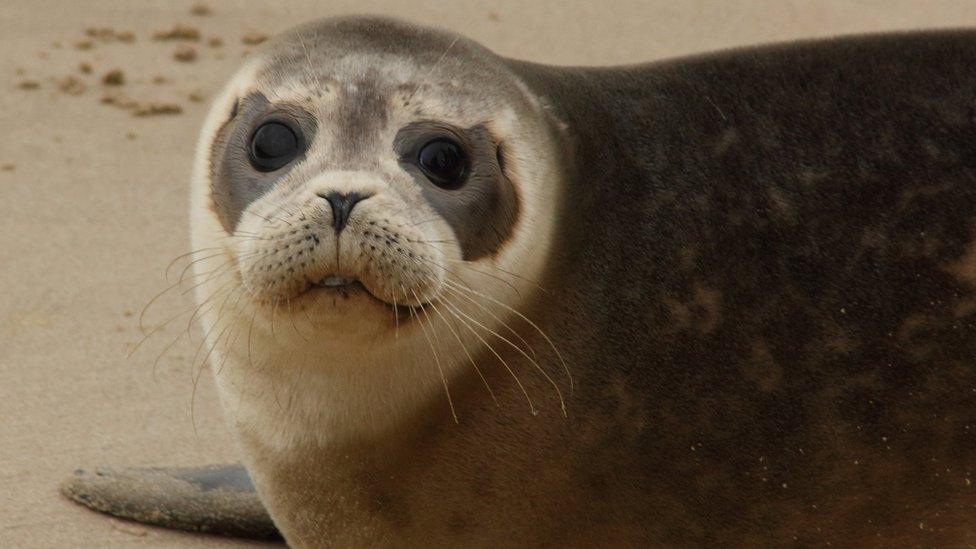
[{"x": 758, "y": 267}]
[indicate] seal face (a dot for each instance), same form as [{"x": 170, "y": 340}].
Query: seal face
[{"x": 366, "y": 175}]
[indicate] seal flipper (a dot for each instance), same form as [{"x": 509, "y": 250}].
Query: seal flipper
[{"x": 216, "y": 499}]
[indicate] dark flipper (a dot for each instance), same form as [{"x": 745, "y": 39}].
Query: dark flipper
[{"x": 216, "y": 499}]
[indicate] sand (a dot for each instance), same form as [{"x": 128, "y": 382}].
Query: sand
[{"x": 93, "y": 204}]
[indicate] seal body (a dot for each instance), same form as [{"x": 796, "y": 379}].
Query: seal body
[{"x": 758, "y": 268}]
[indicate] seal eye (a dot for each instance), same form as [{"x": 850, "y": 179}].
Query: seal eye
[
  {"x": 273, "y": 145},
  {"x": 443, "y": 162}
]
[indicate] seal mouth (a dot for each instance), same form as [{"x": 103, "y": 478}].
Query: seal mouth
[
  {"x": 347, "y": 286},
  {"x": 336, "y": 281}
]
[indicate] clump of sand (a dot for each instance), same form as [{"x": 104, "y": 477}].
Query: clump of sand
[
  {"x": 201, "y": 9},
  {"x": 114, "y": 77},
  {"x": 253, "y": 38},
  {"x": 141, "y": 108},
  {"x": 178, "y": 32},
  {"x": 72, "y": 85},
  {"x": 108, "y": 34},
  {"x": 185, "y": 54}
]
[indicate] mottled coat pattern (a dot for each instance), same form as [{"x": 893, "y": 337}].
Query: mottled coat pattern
[{"x": 761, "y": 274}]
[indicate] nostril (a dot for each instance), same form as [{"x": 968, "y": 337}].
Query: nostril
[{"x": 342, "y": 205}]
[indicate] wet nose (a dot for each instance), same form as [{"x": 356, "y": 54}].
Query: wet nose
[{"x": 342, "y": 205}]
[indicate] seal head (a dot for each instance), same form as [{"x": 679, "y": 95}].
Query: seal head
[{"x": 354, "y": 175}]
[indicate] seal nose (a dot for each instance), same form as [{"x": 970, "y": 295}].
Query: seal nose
[{"x": 342, "y": 205}]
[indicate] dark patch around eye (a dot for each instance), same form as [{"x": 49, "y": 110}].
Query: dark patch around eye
[
  {"x": 484, "y": 209},
  {"x": 235, "y": 181}
]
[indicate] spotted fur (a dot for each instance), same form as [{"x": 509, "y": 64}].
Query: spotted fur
[{"x": 760, "y": 268}]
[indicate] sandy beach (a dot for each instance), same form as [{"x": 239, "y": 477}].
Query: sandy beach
[{"x": 100, "y": 105}]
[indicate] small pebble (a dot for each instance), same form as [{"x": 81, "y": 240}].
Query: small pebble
[
  {"x": 215, "y": 42},
  {"x": 84, "y": 45},
  {"x": 201, "y": 9},
  {"x": 159, "y": 79},
  {"x": 7, "y": 167},
  {"x": 114, "y": 77},
  {"x": 126, "y": 36},
  {"x": 119, "y": 100},
  {"x": 178, "y": 32},
  {"x": 195, "y": 96},
  {"x": 71, "y": 85},
  {"x": 105, "y": 34},
  {"x": 185, "y": 54},
  {"x": 254, "y": 38},
  {"x": 29, "y": 85},
  {"x": 140, "y": 108},
  {"x": 155, "y": 109},
  {"x": 85, "y": 68}
]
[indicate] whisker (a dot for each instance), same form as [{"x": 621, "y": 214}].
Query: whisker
[
  {"x": 542, "y": 371},
  {"x": 196, "y": 378},
  {"x": 511, "y": 372},
  {"x": 559, "y": 355},
  {"x": 189, "y": 323},
  {"x": 503, "y": 271},
  {"x": 291, "y": 316},
  {"x": 466, "y": 353},
  {"x": 159, "y": 327},
  {"x": 430, "y": 73},
  {"x": 187, "y": 254},
  {"x": 178, "y": 337},
  {"x": 499, "y": 320},
  {"x": 437, "y": 361},
  {"x": 450, "y": 271}
]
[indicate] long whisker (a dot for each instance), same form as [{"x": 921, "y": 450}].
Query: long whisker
[
  {"x": 142, "y": 314},
  {"x": 559, "y": 355},
  {"x": 497, "y": 319},
  {"x": 179, "y": 335},
  {"x": 430, "y": 73},
  {"x": 159, "y": 327},
  {"x": 437, "y": 361},
  {"x": 189, "y": 322},
  {"x": 511, "y": 372},
  {"x": 503, "y": 271},
  {"x": 196, "y": 378},
  {"x": 396, "y": 319},
  {"x": 450, "y": 271},
  {"x": 187, "y": 254},
  {"x": 146, "y": 307},
  {"x": 250, "y": 332},
  {"x": 542, "y": 371},
  {"x": 291, "y": 316},
  {"x": 466, "y": 353}
]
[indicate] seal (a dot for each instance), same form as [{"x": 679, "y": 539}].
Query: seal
[{"x": 456, "y": 299}]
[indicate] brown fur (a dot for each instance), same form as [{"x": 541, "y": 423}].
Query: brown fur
[{"x": 761, "y": 280}]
